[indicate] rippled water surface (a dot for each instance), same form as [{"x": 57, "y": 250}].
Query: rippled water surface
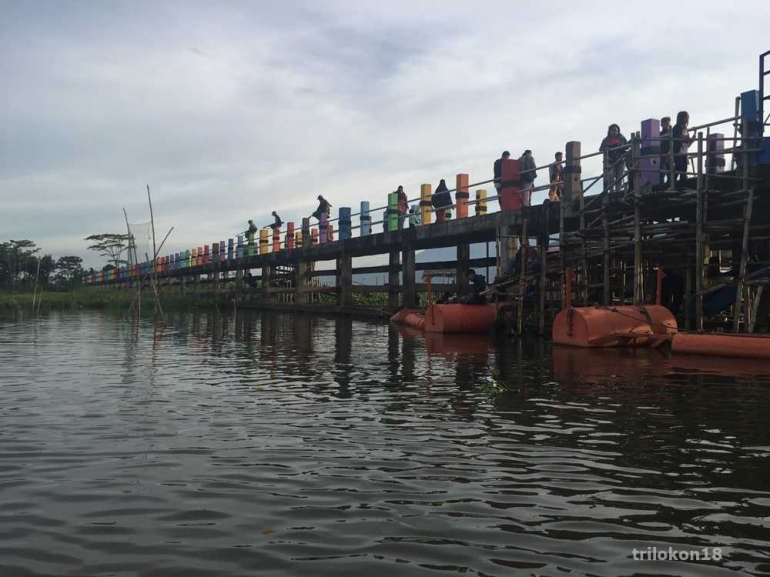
[{"x": 299, "y": 445}]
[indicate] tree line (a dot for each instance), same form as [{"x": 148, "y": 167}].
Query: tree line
[{"x": 22, "y": 265}]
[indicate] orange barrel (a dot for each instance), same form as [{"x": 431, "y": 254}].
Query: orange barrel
[
  {"x": 314, "y": 237},
  {"x": 290, "y": 235},
  {"x": 330, "y": 233},
  {"x": 722, "y": 345},
  {"x": 200, "y": 255},
  {"x": 461, "y": 195},
  {"x": 415, "y": 320},
  {"x": 459, "y": 318},
  {"x": 206, "y": 254},
  {"x": 510, "y": 185},
  {"x": 626, "y": 326}
]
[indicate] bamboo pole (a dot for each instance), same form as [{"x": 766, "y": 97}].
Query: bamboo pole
[
  {"x": 522, "y": 282},
  {"x": 638, "y": 294},
  {"x": 699, "y": 240}
]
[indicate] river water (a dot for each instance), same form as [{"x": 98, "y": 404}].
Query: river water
[{"x": 268, "y": 444}]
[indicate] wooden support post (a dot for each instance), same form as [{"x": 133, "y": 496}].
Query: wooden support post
[
  {"x": 463, "y": 256},
  {"x": 688, "y": 298},
  {"x": 744, "y": 254},
  {"x": 716, "y": 155},
  {"x": 345, "y": 279},
  {"x": 407, "y": 270},
  {"x": 425, "y": 204},
  {"x": 216, "y": 283},
  {"x": 265, "y": 283},
  {"x": 543, "y": 263},
  {"x": 301, "y": 269},
  {"x": 606, "y": 262},
  {"x": 393, "y": 284},
  {"x": 522, "y": 281},
  {"x": 699, "y": 254},
  {"x": 573, "y": 187},
  {"x": 638, "y": 277},
  {"x": 238, "y": 281},
  {"x": 461, "y": 195}
]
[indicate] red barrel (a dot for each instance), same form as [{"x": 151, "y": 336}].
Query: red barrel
[
  {"x": 459, "y": 318},
  {"x": 624, "y": 326},
  {"x": 722, "y": 345},
  {"x": 510, "y": 186}
]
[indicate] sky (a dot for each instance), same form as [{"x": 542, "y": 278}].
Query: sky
[{"x": 229, "y": 110}]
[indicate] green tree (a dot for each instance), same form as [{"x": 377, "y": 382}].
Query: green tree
[
  {"x": 69, "y": 272},
  {"x": 15, "y": 260},
  {"x": 111, "y": 246}
]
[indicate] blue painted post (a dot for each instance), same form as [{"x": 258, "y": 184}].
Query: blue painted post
[
  {"x": 752, "y": 126},
  {"x": 649, "y": 164},
  {"x": 715, "y": 145},
  {"x": 239, "y": 248},
  {"x": 366, "y": 219},
  {"x": 323, "y": 227},
  {"x": 230, "y": 254},
  {"x": 345, "y": 224}
]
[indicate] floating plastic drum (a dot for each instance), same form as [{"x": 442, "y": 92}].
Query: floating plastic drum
[
  {"x": 624, "y": 326},
  {"x": 722, "y": 345},
  {"x": 459, "y": 318}
]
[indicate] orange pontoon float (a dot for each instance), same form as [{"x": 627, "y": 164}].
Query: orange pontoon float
[
  {"x": 621, "y": 326},
  {"x": 722, "y": 345},
  {"x": 451, "y": 318}
]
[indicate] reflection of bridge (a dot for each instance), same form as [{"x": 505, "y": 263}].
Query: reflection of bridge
[{"x": 613, "y": 245}]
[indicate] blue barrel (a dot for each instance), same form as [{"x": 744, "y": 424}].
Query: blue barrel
[
  {"x": 366, "y": 219},
  {"x": 345, "y": 224},
  {"x": 229, "y": 249},
  {"x": 239, "y": 248}
]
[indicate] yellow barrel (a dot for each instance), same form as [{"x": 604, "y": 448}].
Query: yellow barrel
[
  {"x": 425, "y": 204},
  {"x": 481, "y": 202},
  {"x": 263, "y": 241}
]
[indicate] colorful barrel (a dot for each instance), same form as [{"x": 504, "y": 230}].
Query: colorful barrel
[
  {"x": 298, "y": 239},
  {"x": 215, "y": 252},
  {"x": 314, "y": 237},
  {"x": 230, "y": 249},
  {"x": 250, "y": 244},
  {"x": 649, "y": 164},
  {"x": 462, "y": 195},
  {"x": 239, "y": 247},
  {"x": 425, "y": 204},
  {"x": 305, "y": 228},
  {"x": 323, "y": 227},
  {"x": 206, "y": 254},
  {"x": 366, "y": 219},
  {"x": 330, "y": 233},
  {"x": 715, "y": 162},
  {"x": 392, "y": 211},
  {"x": 345, "y": 223},
  {"x": 222, "y": 250},
  {"x": 290, "y": 235},
  {"x": 276, "y": 239},
  {"x": 263, "y": 241},
  {"x": 187, "y": 258},
  {"x": 194, "y": 257},
  {"x": 510, "y": 185},
  {"x": 460, "y": 318},
  {"x": 481, "y": 202}
]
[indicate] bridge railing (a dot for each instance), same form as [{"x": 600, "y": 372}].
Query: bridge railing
[{"x": 296, "y": 235}]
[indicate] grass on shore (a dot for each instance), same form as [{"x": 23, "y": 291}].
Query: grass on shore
[{"x": 96, "y": 298}]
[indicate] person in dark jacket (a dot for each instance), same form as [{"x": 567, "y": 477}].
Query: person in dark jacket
[
  {"x": 324, "y": 206},
  {"x": 556, "y": 177},
  {"x": 403, "y": 206},
  {"x": 613, "y": 172},
  {"x": 441, "y": 199},
  {"x": 476, "y": 285},
  {"x": 252, "y": 228},
  {"x": 498, "y": 170},
  {"x": 276, "y": 223},
  {"x": 665, "y": 165},
  {"x": 682, "y": 142},
  {"x": 528, "y": 175}
]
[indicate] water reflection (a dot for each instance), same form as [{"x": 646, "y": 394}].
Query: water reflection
[{"x": 300, "y": 444}]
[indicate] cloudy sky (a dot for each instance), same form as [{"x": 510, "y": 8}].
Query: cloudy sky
[{"x": 229, "y": 110}]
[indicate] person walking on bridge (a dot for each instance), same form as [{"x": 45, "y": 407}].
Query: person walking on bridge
[
  {"x": 441, "y": 200},
  {"x": 528, "y": 174},
  {"x": 498, "y": 170},
  {"x": 403, "y": 206},
  {"x": 613, "y": 171},
  {"x": 556, "y": 176},
  {"x": 324, "y": 206},
  {"x": 682, "y": 142}
]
